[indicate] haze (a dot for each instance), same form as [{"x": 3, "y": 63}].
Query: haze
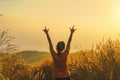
[{"x": 94, "y": 19}]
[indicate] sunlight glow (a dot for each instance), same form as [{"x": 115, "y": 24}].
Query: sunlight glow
[
  {"x": 117, "y": 14},
  {"x": 94, "y": 19}
]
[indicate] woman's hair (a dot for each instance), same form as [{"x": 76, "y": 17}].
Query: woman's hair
[{"x": 60, "y": 47}]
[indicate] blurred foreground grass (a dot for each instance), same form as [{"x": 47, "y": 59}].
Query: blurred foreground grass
[{"x": 101, "y": 63}]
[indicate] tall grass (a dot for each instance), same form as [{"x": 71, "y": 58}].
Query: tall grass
[{"x": 101, "y": 63}]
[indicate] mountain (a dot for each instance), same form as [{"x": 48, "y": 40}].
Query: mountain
[{"x": 34, "y": 56}]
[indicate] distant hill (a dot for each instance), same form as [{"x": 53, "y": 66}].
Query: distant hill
[{"x": 34, "y": 56}]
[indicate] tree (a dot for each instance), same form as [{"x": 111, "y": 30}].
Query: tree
[
  {"x": 6, "y": 45},
  {"x": 12, "y": 65}
]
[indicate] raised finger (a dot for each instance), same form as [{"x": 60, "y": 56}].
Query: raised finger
[
  {"x": 45, "y": 27},
  {"x": 73, "y": 27}
]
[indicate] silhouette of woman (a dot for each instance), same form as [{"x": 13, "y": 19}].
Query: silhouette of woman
[{"x": 60, "y": 67}]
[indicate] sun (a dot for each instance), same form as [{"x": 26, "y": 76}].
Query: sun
[{"x": 117, "y": 13}]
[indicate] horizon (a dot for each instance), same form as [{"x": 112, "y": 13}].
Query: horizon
[{"x": 93, "y": 19}]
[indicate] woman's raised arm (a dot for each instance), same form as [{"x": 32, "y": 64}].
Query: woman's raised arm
[
  {"x": 49, "y": 40},
  {"x": 72, "y": 30}
]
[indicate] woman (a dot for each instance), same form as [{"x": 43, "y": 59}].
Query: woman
[{"x": 60, "y": 68}]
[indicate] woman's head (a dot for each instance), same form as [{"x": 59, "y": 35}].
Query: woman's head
[{"x": 60, "y": 46}]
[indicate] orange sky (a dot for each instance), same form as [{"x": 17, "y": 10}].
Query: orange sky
[{"x": 94, "y": 19}]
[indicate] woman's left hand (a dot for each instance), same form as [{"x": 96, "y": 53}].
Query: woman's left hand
[{"x": 73, "y": 29}]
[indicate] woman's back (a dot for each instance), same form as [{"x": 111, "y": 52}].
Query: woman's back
[{"x": 60, "y": 65}]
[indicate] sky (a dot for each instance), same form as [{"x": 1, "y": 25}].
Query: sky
[{"x": 94, "y": 20}]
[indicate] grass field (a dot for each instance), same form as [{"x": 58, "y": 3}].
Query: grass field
[{"x": 101, "y": 63}]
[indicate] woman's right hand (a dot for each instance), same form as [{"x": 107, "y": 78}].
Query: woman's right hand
[{"x": 46, "y": 30}]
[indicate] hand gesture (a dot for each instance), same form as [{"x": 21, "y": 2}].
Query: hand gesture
[
  {"x": 72, "y": 29},
  {"x": 46, "y": 30}
]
